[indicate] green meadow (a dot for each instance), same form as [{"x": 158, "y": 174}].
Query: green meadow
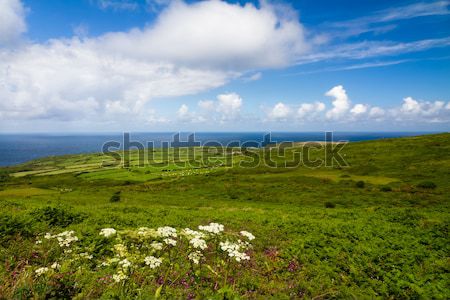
[{"x": 377, "y": 228}]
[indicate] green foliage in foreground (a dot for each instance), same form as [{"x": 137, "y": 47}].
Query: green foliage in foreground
[{"x": 319, "y": 234}]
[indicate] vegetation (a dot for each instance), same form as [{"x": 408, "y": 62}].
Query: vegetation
[{"x": 317, "y": 234}]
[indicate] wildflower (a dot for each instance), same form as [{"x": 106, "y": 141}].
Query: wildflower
[
  {"x": 233, "y": 251},
  {"x": 38, "y": 242},
  {"x": 41, "y": 271},
  {"x": 214, "y": 228},
  {"x": 55, "y": 265},
  {"x": 107, "y": 232},
  {"x": 121, "y": 249},
  {"x": 248, "y": 235},
  {"x": 66, "y": 238},
  {"x": 195, "y": 257},
  {"x": 193, "y": 233},
  {"x": 147, "y": 232},
  {"x": 156, "y": 245},
  {"x": 167, "y": 231},
  {"x": 119, "y": 276},
  {"x": 153, "y": 262},
  {"x": 48, "y": 236},
  {"x": 125, "y": 263},
  {"x": 198, "y": 243},
  {"x": 86, "y": 255},
  {"x": 170, "y": 242}
]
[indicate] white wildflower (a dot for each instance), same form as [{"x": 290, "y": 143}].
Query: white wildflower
[
  {"x": 192, "y": 233},
  {"x": 197, "y": 242},
  {"x": 38, "y": 242},
  {"x": 233, "y": 250},
  {"x": 41, "y": 271},
  {"x": 48, "y": 236},
  {"x": 214, "y": 228},
  {"x": 121, "y": 249},
  {"x": 248, "y": 235},
  {"x": 107, "y": 232},
  {"x": 55, "y": 265},
  {"x": 156, "y": 245},
  {"x": 86, "y": 255},
  {"x": 170, "y": 242},
  {"x": 119, "y": 276},
  {"x": 167, "y": 231},
  {"x": 153, "y": 262},
  {"x": 125, "y": 263},
  {"x": 195, "y": 257}
]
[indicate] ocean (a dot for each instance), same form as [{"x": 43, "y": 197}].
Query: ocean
[{"x": 19, "y": 148}]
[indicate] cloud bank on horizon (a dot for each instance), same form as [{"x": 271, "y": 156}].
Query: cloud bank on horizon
[{"x": 114, "y": 79}]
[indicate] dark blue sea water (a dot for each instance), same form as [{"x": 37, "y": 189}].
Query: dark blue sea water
[{"x": 19, "y": 148}]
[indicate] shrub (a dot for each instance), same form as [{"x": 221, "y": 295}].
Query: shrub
[
  {"x": 360, "y": 184},
  {"x": 58, "y": 216},
  {"x": 386, "y": 188},
  {"x": 115, "y": 197},
  {"x": 330, "y": 204},
  {"x": 11, "y": 226},
  {"x": 426, "y": 185}
]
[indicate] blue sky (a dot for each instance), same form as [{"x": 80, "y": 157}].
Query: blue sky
[{"x": 156, "y": 65}]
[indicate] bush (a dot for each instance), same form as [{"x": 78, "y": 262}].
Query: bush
[
  {"x": 360, "y": 184},
  {"x": 115, "y": 197},
  {"x": 57, "y": 216},
  {"x": 330, "y": 205},
  {"x": 11, "y": 226},
  {"x": 386, "y": 188},
  {"x": 426, "y": 185}
]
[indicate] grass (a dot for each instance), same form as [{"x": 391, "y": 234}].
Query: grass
[{"x": 318, "y": 235}]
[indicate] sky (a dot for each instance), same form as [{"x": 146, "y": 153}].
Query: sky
[{"x": 174, "y": 65}]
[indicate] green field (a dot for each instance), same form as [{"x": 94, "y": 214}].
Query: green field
[{"x": 378, "y": 228}]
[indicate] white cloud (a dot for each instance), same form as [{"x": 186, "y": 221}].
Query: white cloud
[
  {"x": 229, "y": 104},
  {"x": 359, "y": 109},
  {"x": 206, "y": 105},
  {"x": 254, "y": 77},
  {"x": 236, "y": 37},
  {"x": 309, "y": 110},
  {"x": 280, "y": 112},
  {"x": 376, "y": 113},
  {"x": 119, "y": 73},
  {"x": 12, "y": 21},
  {"x": 341, "y": 103},
  {"x": 421, "y": 110}
]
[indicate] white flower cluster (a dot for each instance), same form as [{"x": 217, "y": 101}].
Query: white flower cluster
[
  {"x": 199, "y": 243},
  {"x": 233, "y": 250},
  {"x": 147, "y": 232},
  {"x": 192, "y": 233},
  {"x": 156, "y": 245},
  {"x": 153, "y": 262},
  {"x": 167, "y": 231},
  {"x": 248, "y": 235},
  {"x": 119, "y": 276},
  {"x": 107, "y": 232},
  {"x": 214, "y": 228},
  {"x": 195, "y": 257},
  {"x": 55, "y": 265},
  {"x": 64, "y": 238},
  {"x": 121, "y": 250},
  {"x": 41, "y": 271},
  {"x": 170, "y": 242}
]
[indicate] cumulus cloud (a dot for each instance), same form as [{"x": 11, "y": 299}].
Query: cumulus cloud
[
  {"x": 310, "y": 110},
  {"x": 120, "y": 72},
  {"x": 280, "y": 112},
  {"x": 376, "y": 113},
  {"x": 359, "y": 109},
  {"x": 413, "y": 109},
  {"x": 236, "y": 38},
  {"x": 12, "y": 21},
  {"x": 341, "y": 103}
]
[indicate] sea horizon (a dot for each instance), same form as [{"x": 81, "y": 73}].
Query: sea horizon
[{"x": 14, "y": 149}]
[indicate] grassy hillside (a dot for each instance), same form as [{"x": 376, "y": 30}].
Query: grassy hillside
[{"x": 377, "y": 228}]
